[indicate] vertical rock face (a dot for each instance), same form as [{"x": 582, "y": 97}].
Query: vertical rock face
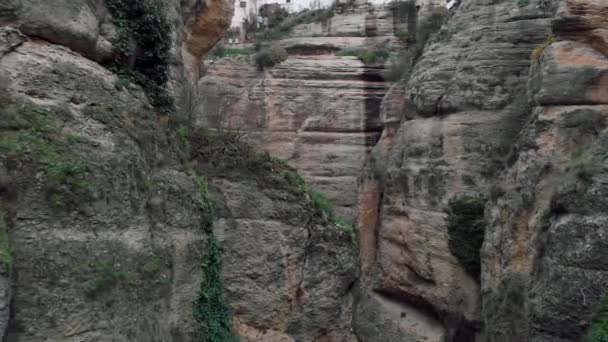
[
  {"x": 87, "y": 27},
  {"x": 465, "y": 103},
  {"x": 287, "y": 277},
  {"x": 204, "y": 25},
  {"x": 100, "y": 216},
  {"x": 104, "y": 220},
  {"x": 318, "y": 110},
  {"x": 544, "y": 260}
]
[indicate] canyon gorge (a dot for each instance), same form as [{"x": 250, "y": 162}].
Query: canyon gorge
[{"x": 393, "y": 172}]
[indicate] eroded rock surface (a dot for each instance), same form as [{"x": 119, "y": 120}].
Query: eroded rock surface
[
  {"x": 547, "y": 233},
  {"x": 103, "y": 215},
  {"x": 318, "y": 110},
  {"x": 461, "y": 109},
  {"x": 104, "y": 219}
]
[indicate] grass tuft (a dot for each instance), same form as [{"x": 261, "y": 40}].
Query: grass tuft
[{"x": 107, "y": 276}]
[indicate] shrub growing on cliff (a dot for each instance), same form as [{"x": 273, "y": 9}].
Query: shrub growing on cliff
[
  {"x": 145, "y": 23},
  {"x": 283, "y": 28},
  {"x": 324, "y": 209},
  {"x": 269, "y": 57},
  {"x": 321, "y": 203},
  {"x": 227, "y": 151},
  {"x": 344, "y": 226},
  {"x": 107, "y": 275},
  {"x": 32, "y": 136},
  {"x": 466, "y": 228},
  {"x": 598, "y": 332}
]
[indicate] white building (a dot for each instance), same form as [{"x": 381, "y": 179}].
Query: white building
[{"x": 247, "y": 9}]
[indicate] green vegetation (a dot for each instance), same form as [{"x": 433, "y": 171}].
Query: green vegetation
[
  {"x": 238, "y": 51},
  {"x": 33, "y": 136},
  {"x": 321, "y": 203},
  {"x": 269, "y": 57},
  {"x": 296, "y": 182},
  {"x": 107, "y": 276},
  {"x": 227, "y": 151},
  {"x": 6, "y": 256},
  {"x": 345, "y": 227},
  {"x": 581, "y": 163},
  {"x": 282, "y": 28},
  {"x": 539, "y": 49},
  {"x": 366, "y": 56},
  {"x": 104, "y": 275},
  {"x": 598, "y": 332},
  {"x": 143, "y": 22},
  {"x": 221, "y": 51},
  {"x": 155, "y": 264},
  {"x": 75, "y": 139},
  {"x": 324, "y": 208},
  {"x": 211, "y": 308},
  {"x": 205, "y": 203},
  {"x": 70, "y": 172},
  {"x": 466, "y": 228},
  {"x": 123, "y": 81},
  {"x": 523, "y": 3}
]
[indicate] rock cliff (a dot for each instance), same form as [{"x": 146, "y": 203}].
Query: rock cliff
[
  {"x": 544, "y": 266},
  {"x": 477, "y": 181},
  {"x": 319, "y": 109},
  {"x": 106, "y": 201},
  {"x": 504, "y": 104}
]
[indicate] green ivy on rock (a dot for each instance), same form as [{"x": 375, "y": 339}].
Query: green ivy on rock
[
  {"x": 144, "y": 23},
  {"x": 211, "y": 307}
]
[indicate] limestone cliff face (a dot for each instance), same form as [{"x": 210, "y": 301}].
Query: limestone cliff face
[
  {"x": 480, "y": 116},
  {"x": 103, "y": 218},
  {"x": 547, "y": 233},
  {"x": 102, "y": 199},
  {"x": 317, "y": 109},
  {"x": 87, "y": 27}
]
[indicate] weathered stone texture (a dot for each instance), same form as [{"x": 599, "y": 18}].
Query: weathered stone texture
[
  {"x": 547, "y": 233},
  {"x": 287, "y": 277},
  {"x": 464, "y": 104},
  {"x": 317, "y": 110}
]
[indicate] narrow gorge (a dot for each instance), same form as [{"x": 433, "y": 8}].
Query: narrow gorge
[{"x": 405, "y": 171}]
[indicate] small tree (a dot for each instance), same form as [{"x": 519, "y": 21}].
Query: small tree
[{"x": 270, "y": 57}]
